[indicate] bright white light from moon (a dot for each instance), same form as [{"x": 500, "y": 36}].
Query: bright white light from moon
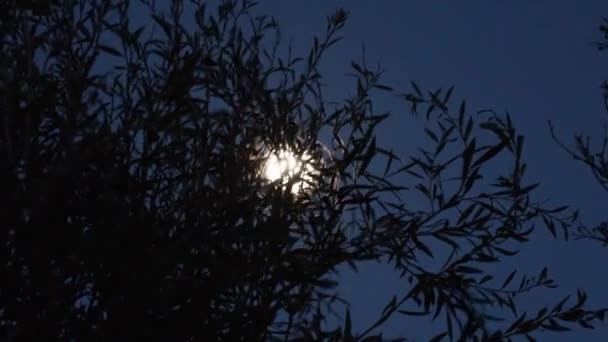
[{"x": 284, "y": 165}]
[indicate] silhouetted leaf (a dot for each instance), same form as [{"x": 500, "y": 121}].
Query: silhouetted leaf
[
  {"x": 508, "y": 279},
  {"x": 438, "y": 337},
  {"x": 110, "y": 50}
]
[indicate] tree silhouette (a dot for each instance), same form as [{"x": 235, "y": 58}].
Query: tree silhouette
[
  {"x": 595, "y": 160},
  {"x": 136, "y": 207}
]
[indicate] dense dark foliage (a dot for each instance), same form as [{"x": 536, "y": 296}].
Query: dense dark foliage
[{"x": 135, "y": 207}]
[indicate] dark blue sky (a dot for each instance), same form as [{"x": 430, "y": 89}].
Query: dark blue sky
[{"x": 532, "y": 58}]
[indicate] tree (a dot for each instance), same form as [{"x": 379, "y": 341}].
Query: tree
[
  {"x": 133, "y": 166},
  {"x": 596, "y": 161}
]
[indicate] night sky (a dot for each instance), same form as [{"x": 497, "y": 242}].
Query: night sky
[{"x": 534, "y": 59}]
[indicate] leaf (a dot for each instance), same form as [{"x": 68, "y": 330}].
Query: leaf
[
  {"x": 517, "y": 323},
  {"x": 461, "y": 112},
  {"x": 467, "y": 269},
  {"x": 512, "y": 306},
  {"x": 390, "y": 305},
  {"x": 505, "y": 251},
  {"x": 84, "y": 30},
  {"x": 438, "y": 337},
  {"x": 423, "y": 189},
  {"x": 429, "y": 111},
  {"x": 431, "y": 134},
  {"x": 493, "y": 151},
  {"x": 469, "y": 129},
  {"x": 467, "y": 156},
  {"x": 163, "y": 24},
  {"x": 110, "y": 50},
  {"x": 560, "y": 305},
  {"x": 333, "y": 41},
  {"x": 446, "y": 98},
  {"x": 472, "y": 178},
  {"x": 520, "y": 146},
  {"x": 530, "y": 338},
  {"x": 523, "y": 282},
  {"x": 368, "y": 156},
  {"x": 440, "y": 302},
  {"x": 554, "y": 326},
  {"x": 360, "y": 89},
  {"x": 439, "y": 236},
  {"x": 422, "y": 246},
  {"x": 389, "y": 162},
  {"x": 572, "y": 316},
  {"x": 382, "y": 87},
  {"x": 508, "y": 280},
  {"x": 449, "y": 324},
  {"x": 135, "y": 35},
  {"x": 413, "y": 313},
  {"x": 416, "y": 89},
  {"x": 485, "y": 278},
  {"x": 466, "y": 213},
  {"x": 442, "y": 144},
  {"x": 558, "y": 209},
  {"x": 541, "y": 313},
  {"x": 347, "y": 324},
  {"x": 357, "y": 67},
  {"x": 550, "y": 225}
]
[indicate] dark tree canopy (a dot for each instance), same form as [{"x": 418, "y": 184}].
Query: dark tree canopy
[{"x": 135, "y": 205}]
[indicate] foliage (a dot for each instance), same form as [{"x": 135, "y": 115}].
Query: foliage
[
  {"x": 135, "y": 207},
  {"x": 595, "y": 160}
]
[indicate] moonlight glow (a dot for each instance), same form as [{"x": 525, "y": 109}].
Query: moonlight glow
[{"x": 285, "y": 165}]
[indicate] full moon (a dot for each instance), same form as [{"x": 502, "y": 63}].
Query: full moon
[{"x": 284, "y": 165}]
